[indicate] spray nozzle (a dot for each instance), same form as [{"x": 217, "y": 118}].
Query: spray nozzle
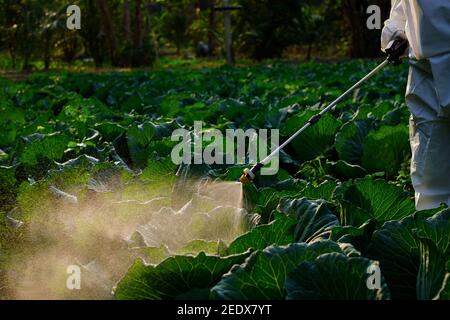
[{"x": 249, "y": 174}]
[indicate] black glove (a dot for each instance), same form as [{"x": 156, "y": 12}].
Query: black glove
[{"x": 396, "y": 50}]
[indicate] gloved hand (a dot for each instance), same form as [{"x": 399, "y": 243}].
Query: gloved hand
[
  {"x": 396, "y": 50},
  {"x": 401, "y": 36},
  {"x": 394, "y": 27},
  {"x": 394, "y": 42}
]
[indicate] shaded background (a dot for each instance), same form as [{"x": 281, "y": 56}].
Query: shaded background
[{"x": 136, "y": 33}]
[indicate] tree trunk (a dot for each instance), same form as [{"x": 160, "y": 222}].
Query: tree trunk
[
  {"x": 47, "y": 51},
  {"x": 149, "y": 31},
  {"x": 13, "y": 56},
  {"x": 109, "y": 29},
  {"x": 127, "y": 21},
  {"x": 92, "y": 33},
  {"x": 309, "y": 51},
  {"x": 353, "y": 20},
  {"x": 364, "y": 42},
  {"x": 212, "y": 27},
  {"x": 138, "y": 29},
  {"x": 26, "y": 37},
  {"x": 228, "y": 34}
]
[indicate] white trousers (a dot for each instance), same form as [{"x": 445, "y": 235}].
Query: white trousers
[{"x": 429, "y": 136}]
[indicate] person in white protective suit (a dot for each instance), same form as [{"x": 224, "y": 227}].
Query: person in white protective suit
[{"x": 426, "y": 26}]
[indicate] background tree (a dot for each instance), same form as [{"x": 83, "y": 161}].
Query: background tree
[
  {"x": 128, "y": 33},
  {"x": 94, "y": 39},
  {"x": 175, "y": 22},
  {"x": 265, "y": 28},
  {"x": 364, "y": 42}
]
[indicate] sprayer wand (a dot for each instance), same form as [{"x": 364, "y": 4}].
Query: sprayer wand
[{"x": 395, "y": 50}]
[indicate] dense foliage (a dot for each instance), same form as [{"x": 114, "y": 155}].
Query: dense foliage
[
  {"x": 134, "y": 33},
  {"x": 340, "y": 205}
]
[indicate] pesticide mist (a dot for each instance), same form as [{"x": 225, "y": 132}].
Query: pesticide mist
[{"x": 102, "y": 222}]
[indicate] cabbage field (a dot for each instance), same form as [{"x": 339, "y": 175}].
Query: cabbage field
[{"x": 87, "y": 181}]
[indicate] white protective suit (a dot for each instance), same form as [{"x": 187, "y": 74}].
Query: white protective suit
[{"x": 426, "y": 25}]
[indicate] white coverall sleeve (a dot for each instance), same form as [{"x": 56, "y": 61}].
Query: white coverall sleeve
[{"x": 395, "y": 25}]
